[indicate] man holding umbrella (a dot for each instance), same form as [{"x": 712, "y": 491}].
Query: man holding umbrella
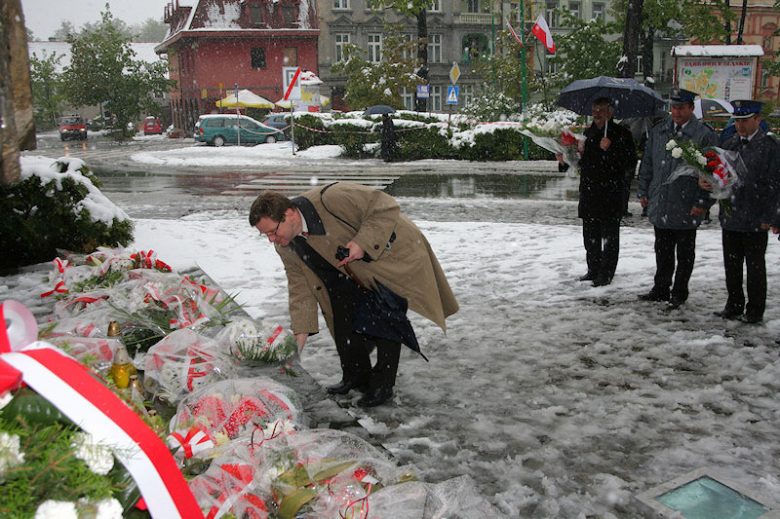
[
  {"x": 608, "y": 152},
  {"x": 675, "y": 208},
  {"x": 332, "y": 237}
]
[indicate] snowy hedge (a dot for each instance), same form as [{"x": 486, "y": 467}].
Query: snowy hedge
[{"x": 56, "y": 205}]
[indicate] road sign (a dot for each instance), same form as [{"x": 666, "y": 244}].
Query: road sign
[
  {"x": 454, "y": 72},
  {"x": 423, "y": 92},
  {"x": 452, "y": 95},
  {"x": 292, "y": 88}
]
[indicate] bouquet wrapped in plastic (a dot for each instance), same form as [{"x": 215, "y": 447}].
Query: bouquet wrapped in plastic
[
  {"x": 182, "y": 363},
  {"x": 228, "y": 409},
  {"x": 252, "y": 343},
  {"x": 722, "y": 169},
  {"x": 557, "y": 139}
]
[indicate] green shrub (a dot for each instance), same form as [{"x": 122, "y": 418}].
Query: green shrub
[
  {"x": 306, "y": 138},
  {"x": 43, "y": 215},
  {"x": 353, "y": 138},
  {"x": 425, "y": 143}
]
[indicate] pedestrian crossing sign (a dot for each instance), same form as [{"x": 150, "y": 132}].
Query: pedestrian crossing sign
[{"x": 452, "y": 95}]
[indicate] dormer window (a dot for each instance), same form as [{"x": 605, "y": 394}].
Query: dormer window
[
  {"x": 256, "y": 15},
  {"x": 288, "y": 15}
]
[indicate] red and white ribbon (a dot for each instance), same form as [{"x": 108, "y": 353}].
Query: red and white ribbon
[
  {"x": 59, "y": 288},
  {"x": 196, "y": 440},
  {"x": 77, "y": 393}
]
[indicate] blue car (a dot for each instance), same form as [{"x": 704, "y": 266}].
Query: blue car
[{"x": 221, "y": 129}]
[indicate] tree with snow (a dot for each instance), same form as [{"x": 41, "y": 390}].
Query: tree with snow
[{"x": 103, "y": 70}]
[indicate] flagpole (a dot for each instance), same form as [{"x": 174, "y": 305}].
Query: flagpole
[{"x": 524, "y": 97}]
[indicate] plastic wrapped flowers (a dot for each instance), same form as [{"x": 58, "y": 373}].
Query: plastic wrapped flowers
[{"x": 252, "y": 343}]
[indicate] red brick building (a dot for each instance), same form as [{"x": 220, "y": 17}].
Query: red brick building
[{"x": 215, "y": 44}]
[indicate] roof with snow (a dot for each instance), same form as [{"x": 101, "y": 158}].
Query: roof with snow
[
  {"x": 717, "y": 51},
  {"x": 44, "y": 49},
  {"x": 207, "y": 17}
]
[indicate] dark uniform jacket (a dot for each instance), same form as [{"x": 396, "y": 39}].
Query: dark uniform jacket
[
  {"x": 670, "y": 202},
  {"x": 754, "y": 198},
  {"x": 602, "y": 173}
]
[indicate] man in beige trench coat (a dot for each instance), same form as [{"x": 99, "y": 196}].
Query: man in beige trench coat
[{"x": 382, "y": 245}]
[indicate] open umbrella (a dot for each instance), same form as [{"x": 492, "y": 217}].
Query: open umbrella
[
  {"x": 246, "y": 99},
  {"x": 379, "y": 109},
  {"x": 711, "y": 108},
  {"x": 629, "y": 98}
]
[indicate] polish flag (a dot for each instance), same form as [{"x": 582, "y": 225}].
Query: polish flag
[
  {"x": 542, "y": 32},
  {"x": 512, "y": 30}
]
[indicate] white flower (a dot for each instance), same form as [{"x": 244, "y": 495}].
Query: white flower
[
  {"x": 51, "y": 509},
  {"x": 98, "y": 458},
  {"x": 109, "y": 509},
  {"x": 701, "y": 159},
  {"x": 677, "y": 153},
  {"x": 671, "y": 145},
  {"x": 9, "y": 453},
  {"x": 278, "y": 427}
]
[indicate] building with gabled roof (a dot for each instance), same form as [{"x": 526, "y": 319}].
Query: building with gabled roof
[{"x": 215, "y": 45}]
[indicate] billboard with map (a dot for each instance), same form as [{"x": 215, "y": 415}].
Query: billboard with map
[{"x": 717, "y": 77}]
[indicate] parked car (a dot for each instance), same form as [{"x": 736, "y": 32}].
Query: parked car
[
  {"x": 221, "y": 129},
  {"x": 73, "y": 127},
  {"x": 277, "y": 121},
  {"x": 153, "y": 126}
]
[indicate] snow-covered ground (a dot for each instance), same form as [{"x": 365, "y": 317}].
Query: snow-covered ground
[{"x": 560, "y": 399}]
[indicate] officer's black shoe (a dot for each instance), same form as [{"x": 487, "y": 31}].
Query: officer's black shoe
[
  {"x": 751, "y": 319},
  {"x": 375, "y": 397},
  {"x": 345, "y": 386},
  {"x": 653, "y": 296},
  {"x": 590, "y": 276},
  {"x": 728, "y": 314},
  {"x": 601, "y": 281}
]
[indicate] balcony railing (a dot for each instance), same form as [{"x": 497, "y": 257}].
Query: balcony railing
[{"x": 477, "y": 18}]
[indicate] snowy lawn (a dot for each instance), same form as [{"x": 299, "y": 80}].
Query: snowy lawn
[{"x": 560, "y": 399}]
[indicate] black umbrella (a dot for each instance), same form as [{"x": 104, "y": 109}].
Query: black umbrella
[
  {"x": 380, "y": 312},
  {"x": 379, "y": 109},
  {"x": 629, "y": 98}
]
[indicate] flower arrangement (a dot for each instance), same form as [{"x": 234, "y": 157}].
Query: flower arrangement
[
  {"x": 254, "y": 344},
  {"x": 716, "y": 166},
  {"x": 557, "y": 138}
]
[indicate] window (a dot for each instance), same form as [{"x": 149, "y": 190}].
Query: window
[
  {"x": 256, "y": 14},
  {"x": 434, "y": 48},
  {"x": 466, "y": 94},
  {"x": 474, "y": 46},
  {"x": 551, "y": 68},
  {"x": 409, "y": 51},
  {"x": 290, "y": 57},
  {"x": 550, "y": 14},
  {"x": 214, "y": 123},
  {"x": 408, "y": 98},
  {"x": 435, "y": 99},
  {"x": 574, "y": 8},
  {"x": 472, "y": 6},
  {"x": 288, "y": 15},
  {"x": 639, "y": 64},
  {"x": 598, "y": 11},
  {"x": 765, "y": 78},
  {"x": 258, "y": 57},
  {"x": 340, "y": 4},
  {"x": 342, "y": 39},
  {"x": 374, "y": 47},
  {"x": 435, "y": 7}
]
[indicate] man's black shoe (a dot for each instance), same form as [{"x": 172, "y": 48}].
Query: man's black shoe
[
  {"x": 653, "y": 296},
  {"x": 376, "y": 397},
  {"x": 345, "y": 386},
  {"x": 750, "y": 319},
  {"x": 600, "y": 281},
  {"x": 675, "y": 302},
  {"x": 728, "y": 314},
  {"x": 590, "y": 276}
]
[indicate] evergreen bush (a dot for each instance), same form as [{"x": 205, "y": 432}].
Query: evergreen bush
[{"x": 41, "y": 216}]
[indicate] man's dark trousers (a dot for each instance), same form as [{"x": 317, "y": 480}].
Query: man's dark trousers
[
  {"x": 667, "y": 241},
  {"x": 747, "y": 248},
  {"x": 601, "y": 237}
]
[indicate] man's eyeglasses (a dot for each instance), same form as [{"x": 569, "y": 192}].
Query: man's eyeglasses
[{"x": 270, "y": 235}]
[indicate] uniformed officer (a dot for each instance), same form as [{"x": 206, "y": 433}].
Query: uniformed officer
[
  {"x": 674, "y": 208},
  {"x": 750, "y": 213}
]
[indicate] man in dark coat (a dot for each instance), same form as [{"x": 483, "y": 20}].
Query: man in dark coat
[
  {"x": 388, "y": 138},
  {"x": 608, "y": 152},
  {"x": 750, "y": 214},
  {"x": 381, "y": 245},
  {"x": 675, "y": 204}
]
